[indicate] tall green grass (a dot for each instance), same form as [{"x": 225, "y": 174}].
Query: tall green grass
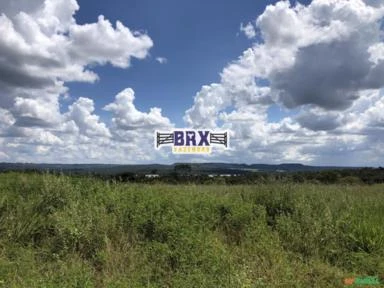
[{"x": 60, "y": 231}]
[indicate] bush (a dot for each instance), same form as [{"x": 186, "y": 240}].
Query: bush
[{"x": 60, "y": 231}]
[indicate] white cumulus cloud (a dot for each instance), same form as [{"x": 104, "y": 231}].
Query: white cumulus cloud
[
  {"x": 127, "y": 117},
  {"x": 162, "y": 60},
  {"x": 320, "y": 59},
  {"x": 41, "y": 49},
  {"x": 248, "y": 30}
]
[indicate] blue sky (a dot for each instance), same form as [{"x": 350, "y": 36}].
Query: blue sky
[
  {"x": 290, "y": 81},
  {"x": 198, "y": 38}
]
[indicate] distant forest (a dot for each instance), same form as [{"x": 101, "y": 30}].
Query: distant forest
[
  {"x": 183, "y": 174},
  {"x": 187, "y": 173}
]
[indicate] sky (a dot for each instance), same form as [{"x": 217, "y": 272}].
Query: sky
[{"x": 90, "y": 81}]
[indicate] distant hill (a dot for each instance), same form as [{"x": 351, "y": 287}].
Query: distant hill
[{"x": 197, "y": 168}]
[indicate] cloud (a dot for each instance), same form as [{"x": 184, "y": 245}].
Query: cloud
[
  {"x": 127, "y": 117},
  {"x": 162, "y": 60},
  {"x": 325, "y": 60},
  {"x": 248, "y": 30},
  {"x": 375, "y": 3},
  {"x": 101, "y": 43},
  {"x": 82, "y": 136},
  {"x": 331, "y": 48},
  {"x": 81, "y": 113},
  {"x": 208, "y": 102},
  {"x": 35, "y": 112},
  {"x": 320, "y": 59},
  {"x": 319, "y": 120},
  {"x": 43, "y": 47},
  {"x": 317, "y": 55}
]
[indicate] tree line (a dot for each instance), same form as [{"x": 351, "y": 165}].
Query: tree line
[{"x": 184, "y": 174}]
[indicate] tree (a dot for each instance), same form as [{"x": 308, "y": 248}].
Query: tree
[{"x": 183, "y": 169}]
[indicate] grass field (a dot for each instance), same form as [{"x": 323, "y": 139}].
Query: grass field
[{"x": 58, "y": 231}]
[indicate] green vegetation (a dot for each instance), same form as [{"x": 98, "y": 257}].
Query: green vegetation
[
  {"x": 184, "y": 174},
  {"x": 62, "y": 231}
]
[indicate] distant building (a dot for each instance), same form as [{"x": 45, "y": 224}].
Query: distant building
[
  {"x": 222, "y": 175},
  {"x": 152, "y": 175}
]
